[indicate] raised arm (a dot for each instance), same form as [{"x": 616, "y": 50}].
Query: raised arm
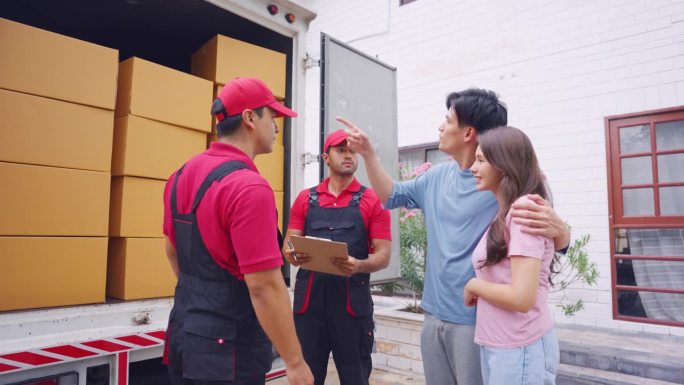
[{"x": 359, "y": 141}]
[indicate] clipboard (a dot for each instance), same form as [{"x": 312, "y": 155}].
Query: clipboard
[{"x": 320, "y": 250}]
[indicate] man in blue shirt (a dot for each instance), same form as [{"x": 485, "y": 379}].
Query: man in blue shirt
[{"x": 456, "y": 216}]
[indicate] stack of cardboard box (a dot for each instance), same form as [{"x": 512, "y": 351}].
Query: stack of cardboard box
[
  {"x": 57, "y": 96},
  {"x": 84, "y": 156},
  {"x": 162, "y": 119},
  {"x": 222, "y": 59}
]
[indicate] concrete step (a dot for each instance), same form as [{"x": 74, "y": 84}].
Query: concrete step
[
  {"x": 626, "y": 361},
  {"x": 637, "y": 354},
  {"x": 575, "y": 375}
]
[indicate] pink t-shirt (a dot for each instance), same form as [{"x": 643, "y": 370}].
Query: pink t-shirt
[{"x": 500, "y": 328}]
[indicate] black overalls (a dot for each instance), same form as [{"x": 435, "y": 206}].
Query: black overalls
[
  {"x": 213, "y": 335},
  {"x": 334, "y": 313}
]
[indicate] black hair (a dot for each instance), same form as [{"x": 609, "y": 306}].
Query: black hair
[
  {"x": 230, "y": 124},
  {"x": 478, "y": 108}
]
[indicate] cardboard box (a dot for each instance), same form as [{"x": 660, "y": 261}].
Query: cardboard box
[
  {"x": 41, "y": 272},
  {"x": 221, "y": 59},
  {"x": 42, "y": 131},
  {"x": 211, "y": 138},
  {"x": 148, "y": 148},
  {"x": 137, "y": 207},
  {"x": 43, "y": 63},
  {"x": 138, "y": 268},
  {"x": 280, "y": 122},
  {"x": 156, "y": 92},
  {"x": 50, "y": 201},
  {"x": 281, "y": 130},
  {"x": 272, "y": 166}
]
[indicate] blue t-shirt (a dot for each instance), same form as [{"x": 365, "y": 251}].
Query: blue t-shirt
[{"x": 456, "y": 215}]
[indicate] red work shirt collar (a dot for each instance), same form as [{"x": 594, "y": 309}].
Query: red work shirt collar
[
  {"x": 229, "y": 151},
  {"x": 353, "y": 187}
]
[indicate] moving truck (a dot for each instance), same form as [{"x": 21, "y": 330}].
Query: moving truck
[{"x": 99, "y": 102}]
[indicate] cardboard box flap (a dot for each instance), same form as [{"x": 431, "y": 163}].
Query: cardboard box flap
[
  {"x": 45, "y": 271},
  {"x": 222, "y": 58},
  {"x": 48, "y": 64},
  {"x": 152, "y": 149},
  {"x": 40, "y": 200},
  {"x": 156, "y": 92},
  {"x": 137, "y": 268},
  {"x": 42, "y": 131}
]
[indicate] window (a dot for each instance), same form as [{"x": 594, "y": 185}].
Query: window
[
  {"x": 411, "y": 157},
  {"x": 646, "y": 207}
]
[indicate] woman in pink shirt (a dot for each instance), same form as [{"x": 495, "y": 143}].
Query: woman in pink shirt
[{"x": 514, "y": 328}]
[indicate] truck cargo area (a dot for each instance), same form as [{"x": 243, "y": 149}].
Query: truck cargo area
[
  {"x": 67, "y": 323},
  {"x": 165, "y": 32}
]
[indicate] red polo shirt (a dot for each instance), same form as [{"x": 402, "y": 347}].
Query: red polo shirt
[
  {"x": 376, "y": 219},
  {"x": 237, "y": 217}
]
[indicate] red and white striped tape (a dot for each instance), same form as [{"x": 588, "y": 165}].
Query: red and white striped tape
[
  {"x": 121, "y": 346},
  {"x": 29, "y": 359}
]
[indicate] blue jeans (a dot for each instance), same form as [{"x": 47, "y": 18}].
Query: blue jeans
[{"x": 534, "y": 364}]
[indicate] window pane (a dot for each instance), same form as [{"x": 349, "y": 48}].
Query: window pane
[
  {"x": 670, "y": 135},
  {"x": 635, "y": 139},
  {"x": 629, "y": 304},
  {"x": 654, "y": 274},
  {"x": 671, "y": 168},
  {"x": 650, "y": 242},
  {"x": 409, "y": 160},
  {"x": 672, "y": 200},
  {"x": 435, "y": 156},
  {"x": 638, "y": 201},
  {"x": 637, "y": 170},
  {"x": 660, "y": 306}
]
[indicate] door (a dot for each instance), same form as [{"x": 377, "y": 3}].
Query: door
[{"x": 363, "y": 90}]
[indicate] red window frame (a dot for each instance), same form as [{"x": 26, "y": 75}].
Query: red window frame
[{"x": 617, "y": 219}]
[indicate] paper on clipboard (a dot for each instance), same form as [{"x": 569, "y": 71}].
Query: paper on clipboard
[{"x": 320, "y": 250}]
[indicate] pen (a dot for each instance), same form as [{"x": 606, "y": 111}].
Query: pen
[{"x": 289, "y": 244}]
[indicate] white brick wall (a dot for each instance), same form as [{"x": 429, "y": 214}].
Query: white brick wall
[
  {"x": 397, "y": 340},
  {"x": 561, "y": 67}
]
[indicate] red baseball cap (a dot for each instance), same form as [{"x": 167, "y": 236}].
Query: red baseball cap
[
  {"x": 335, "y": 138},
  {"x": 247, "y": 94}
]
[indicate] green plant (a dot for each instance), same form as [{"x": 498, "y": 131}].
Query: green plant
[
  {"x": 574, "y": 267},
  {"x": 413, "y": 244}
]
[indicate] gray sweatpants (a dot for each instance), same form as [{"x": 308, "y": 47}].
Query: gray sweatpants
[{"x": 450, "y": 356}]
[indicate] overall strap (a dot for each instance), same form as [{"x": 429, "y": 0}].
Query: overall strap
[
  {"x": 313, "y": 197},
  {"x": 356, "y": 197},
  {"x": 174, "y": 207},
  {"x": 217, "y": 174}
]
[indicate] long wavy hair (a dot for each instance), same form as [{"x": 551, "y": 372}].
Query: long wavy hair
[{"x": 510, "y": 151}]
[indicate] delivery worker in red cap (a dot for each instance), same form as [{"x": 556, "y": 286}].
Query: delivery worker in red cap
[
  {"x": 221, "y": 239},
  {"x": 335, "y": 313}
]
